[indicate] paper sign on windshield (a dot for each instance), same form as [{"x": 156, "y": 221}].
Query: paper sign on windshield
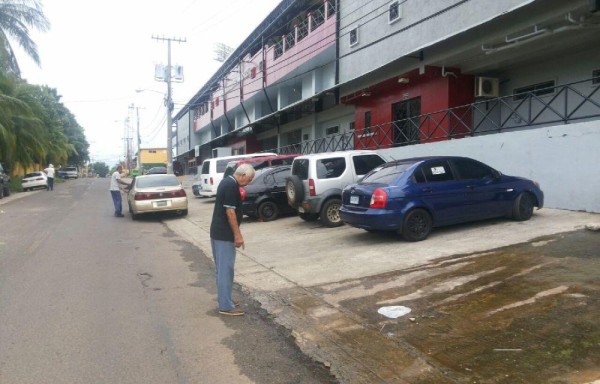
[{"x": 437, "y": 170}]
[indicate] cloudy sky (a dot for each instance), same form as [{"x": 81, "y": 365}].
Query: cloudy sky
[{"x": 97, "y": 54}]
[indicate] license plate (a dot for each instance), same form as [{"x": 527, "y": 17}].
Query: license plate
[
  {"x": 162, "y": 203},
  {"x": 353, "y": 199},
  {"x": 300, "y": 209}
]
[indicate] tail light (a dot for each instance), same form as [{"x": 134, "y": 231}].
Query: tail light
[
  {"x": 311, "y": 187},
  {"x": 212, "y": 182},
  {"x": 159, "y": 195},
  {"x": 378, "y": 199},
  {"x": 243, "y": 193}
]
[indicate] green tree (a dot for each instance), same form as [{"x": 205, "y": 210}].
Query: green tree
[{"x": 17, "y": 17}]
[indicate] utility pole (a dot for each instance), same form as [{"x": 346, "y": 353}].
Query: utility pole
[{"x": 169, "y": 101}]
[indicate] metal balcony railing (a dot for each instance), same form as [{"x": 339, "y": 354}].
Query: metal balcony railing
[
  {"x": 318, "y": 17},
  {"x": 579, "y": 101},
  {"x": 303, "y": 29}
]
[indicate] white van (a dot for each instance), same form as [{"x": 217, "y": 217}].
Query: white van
[{"x": 213, "y": 169}]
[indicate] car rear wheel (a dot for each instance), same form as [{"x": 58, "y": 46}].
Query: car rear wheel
[
  {"x": 417, "y": 225},
  {"x": 309, "y": 216},
  {"x": 523, "y": 207},
  {"x": 330, "y": 213},
  {"x": 1, "y": 192},
  {"x": 268, "y": 211},
  {"x": 294, "y": 189}
]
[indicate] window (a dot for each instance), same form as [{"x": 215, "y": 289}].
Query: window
[
  {"x": 469, "y": 169},
  {"x": 365, "y": 163},
  {"x": 435, "y": 171},
  {"x": 332, "y": 130},
  {"x": 351, "y": 126},
  {"x": 354, "y": 37},
  {"x": 596, "y": 76},
  {"x": 540, "y": 89},
  {"x": 330, "y": 168},
  {"x": 395, "y": 12},
  {"x": 300, "y": 168}
]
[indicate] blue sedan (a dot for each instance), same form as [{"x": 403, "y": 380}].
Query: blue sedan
[{"x": 412, "y": 196}]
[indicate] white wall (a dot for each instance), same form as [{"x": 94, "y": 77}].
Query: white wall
[{"x": 564, "y": 159}]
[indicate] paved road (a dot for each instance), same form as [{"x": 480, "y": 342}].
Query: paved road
[
  {"x": 89, "y": 298},
  {"x": 328, "y": 283}
]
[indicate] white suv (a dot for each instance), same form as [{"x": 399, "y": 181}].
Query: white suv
[{"x": 315, "y": 187}]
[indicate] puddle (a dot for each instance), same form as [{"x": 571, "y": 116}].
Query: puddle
[{"x": 521, "y": 314}]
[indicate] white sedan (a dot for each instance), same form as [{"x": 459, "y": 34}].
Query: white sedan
[
  {"x": 34, "y": 180},
  {"x": 156, "y": 193}
]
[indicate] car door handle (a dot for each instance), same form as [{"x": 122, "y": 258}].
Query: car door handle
[
  {"x": 427, "y": 190},
  {"x": 470, "y": 187}
]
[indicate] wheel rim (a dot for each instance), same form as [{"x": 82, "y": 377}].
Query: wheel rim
[
  {"x": 526, "y": 205},
  {"x": 290, "y": 192},
  {"x": 417, "y": 224},
  {"x": 267, "y": 211},
  {"x": 333, "y": 213}
]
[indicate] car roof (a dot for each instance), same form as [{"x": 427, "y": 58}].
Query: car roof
[{"x": 338, "y": 153}]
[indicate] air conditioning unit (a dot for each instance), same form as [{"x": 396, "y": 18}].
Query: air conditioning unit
[{"x": 487, "y": 87}]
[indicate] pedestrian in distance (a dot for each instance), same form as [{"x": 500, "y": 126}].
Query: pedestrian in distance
[
  {"x": 115, "y": 190},
  {"x": 225, "y": 235},
  {"x": 50, "y": 175}
]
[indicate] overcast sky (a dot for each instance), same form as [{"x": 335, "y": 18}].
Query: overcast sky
[{"x": 98, "y": 53}]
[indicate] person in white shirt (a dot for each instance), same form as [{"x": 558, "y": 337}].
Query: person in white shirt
[
  {"x": 50, "y": 174},
  {"x": 115, "y": 190}
]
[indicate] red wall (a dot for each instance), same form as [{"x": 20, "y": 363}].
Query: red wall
[{"x": 437, "y": 93}]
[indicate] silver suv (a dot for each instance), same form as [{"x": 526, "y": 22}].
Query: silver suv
[{"x": 315, "y": 187}]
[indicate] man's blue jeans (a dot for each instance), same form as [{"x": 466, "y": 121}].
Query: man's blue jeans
[
  {"x": 116, "y": 196},
  {"x": 224, "y": 256}
]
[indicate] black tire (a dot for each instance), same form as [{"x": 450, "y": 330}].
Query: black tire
[
  {"x": 523, "y": 207},
  {"x": 1, "y": 192},
  {"x": 7, "y": 191},
  {"x": 417, "y": 225},
  {"x": 330, "y": 213},
  {"x": 267, "y": 211},
  {"x": 309, "y": 216},
  {"x": 294, "y": 190},
  {"x": 25, "y": 189},
  {"x": 184, "y": 212}
]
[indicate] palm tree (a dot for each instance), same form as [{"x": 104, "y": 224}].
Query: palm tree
[{"x": 16, "y": 19}]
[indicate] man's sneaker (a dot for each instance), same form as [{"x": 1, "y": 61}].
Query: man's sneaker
[{"x": 232, "y": 312}]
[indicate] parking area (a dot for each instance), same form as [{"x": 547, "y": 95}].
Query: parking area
[{"x": 497, "y": 301}]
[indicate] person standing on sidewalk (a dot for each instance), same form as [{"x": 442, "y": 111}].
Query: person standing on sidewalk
[
  {"x": 50, "y": 174},
  {"x": 115, "y": 190},
  {"x": 225, "y": 235}
]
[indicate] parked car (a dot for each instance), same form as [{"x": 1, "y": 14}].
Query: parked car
[
  {"x": 315, "y": 186},
  {"x": 34, "y": 180},
  {"x": 196, "y": 188},
  {"x": 265, "y": 196},
  {"x": 157, "y": 171},
  {"x": 4, "y": 182},
  {"x": 412, "y": 196},
  {"x": 70, "y": 173},
  {"x": 156, "y": 193},
  {"x": 260, "y": 162},
  {"x": 212, "y": 171}
]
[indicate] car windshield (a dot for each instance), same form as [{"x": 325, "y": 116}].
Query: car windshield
[
  {"x": 157, "y": 181},
  {"x": 386, "y": 174},
  {"x": 71, "y": 169},
  {"x": 34, "y": 174}
]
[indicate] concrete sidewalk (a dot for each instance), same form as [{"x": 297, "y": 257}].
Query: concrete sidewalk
[{"x": 326, "y": 285}]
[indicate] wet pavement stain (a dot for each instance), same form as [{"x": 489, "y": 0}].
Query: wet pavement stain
[{"x": 527, "y": 313}]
